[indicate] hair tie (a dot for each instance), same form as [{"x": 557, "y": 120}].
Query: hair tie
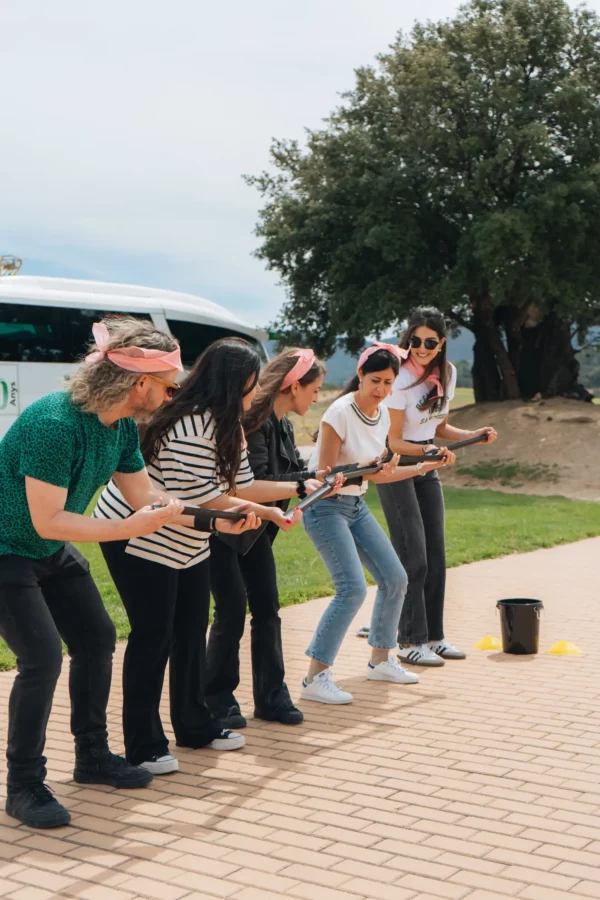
[
  {"x": 305, "y": 362},
  {"x": 134, "y": 359}
]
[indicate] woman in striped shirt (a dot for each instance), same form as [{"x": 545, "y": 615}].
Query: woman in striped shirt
[{"x": 195, "y": 450}]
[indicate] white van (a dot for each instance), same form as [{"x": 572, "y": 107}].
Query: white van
[{"x": 46, "y": 323}]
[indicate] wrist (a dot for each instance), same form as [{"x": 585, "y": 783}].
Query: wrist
[
  {"x": 125, "y": 528},
  {"x": 301, "y": 489}
]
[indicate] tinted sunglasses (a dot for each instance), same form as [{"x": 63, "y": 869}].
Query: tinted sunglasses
[
  {"x": 170, "y": 387},
  {"x": 430, "y": 343}
]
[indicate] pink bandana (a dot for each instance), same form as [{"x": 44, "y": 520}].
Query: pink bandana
[
  {"x": 134, "y": 359},
  {"x": 398, "y": 352},
  {"x": 433, "y": 377},
  {"x": 305, "y": 360}
]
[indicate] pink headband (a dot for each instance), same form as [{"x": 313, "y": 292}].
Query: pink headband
[
  {"x": 305, "y": 360},
  {"x": 134, "y": 359},
  {"x": 398, "y": 352}
]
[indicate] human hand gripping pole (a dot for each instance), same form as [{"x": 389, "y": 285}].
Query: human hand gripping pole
[
  {"x": 435, "y": 455},
  {"x": 354, "y": 473},
  {"x": 232, "y": 521}
]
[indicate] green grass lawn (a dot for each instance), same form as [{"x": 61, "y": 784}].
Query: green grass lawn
[{"x": 481, "y": 524}]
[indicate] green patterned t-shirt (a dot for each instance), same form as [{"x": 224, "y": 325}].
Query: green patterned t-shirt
[{"x": 55, "y": 441}]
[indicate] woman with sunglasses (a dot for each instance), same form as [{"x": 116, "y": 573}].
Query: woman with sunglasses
[
  {"x": 347, "y": 535},
  {"x": 194, "y": 450},
  {"x": 414, "y": 510},
  {"x": 243, "y": 568}
]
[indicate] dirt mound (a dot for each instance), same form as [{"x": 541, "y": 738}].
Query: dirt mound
[{"x": 546, "y": 447}]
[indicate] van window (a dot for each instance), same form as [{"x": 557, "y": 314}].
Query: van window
[
  {"x": 195, "y": 337},
  {"x": 46, "y": 333}
]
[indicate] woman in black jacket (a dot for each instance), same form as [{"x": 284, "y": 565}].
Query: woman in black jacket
[{"x": 243, "y": 570}]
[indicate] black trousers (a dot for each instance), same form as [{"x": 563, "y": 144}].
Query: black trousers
[
  {"x": 42, "y": 601},
  {"x": 414, "y": 511},
  {"x": 168, "y": 612},
  {"x": 236, "y": 580}
]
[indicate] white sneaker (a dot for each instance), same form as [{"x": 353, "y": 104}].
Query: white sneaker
[
  {"x": 363, "y": 631},
  {"x": 422, "y": 655},
  {"x": 323, "y": 689},
  {"x": 446, "y": 651},
  {"x": 390, "y": 670},
  {"x": 228, "y": 740},
  {"x": 161, "y": 765}
]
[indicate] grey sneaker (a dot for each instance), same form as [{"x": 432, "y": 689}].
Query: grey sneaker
[
  {"x": 446, "y": 651},
  {"x": 422, "y": 655}
]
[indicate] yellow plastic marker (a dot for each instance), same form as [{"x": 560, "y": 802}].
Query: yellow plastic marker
[
  {"x": 489, "y": 643},
  {"x": 564, "y": 648}
]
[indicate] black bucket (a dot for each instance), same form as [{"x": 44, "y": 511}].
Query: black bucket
[{"x": 520, "y": 622}]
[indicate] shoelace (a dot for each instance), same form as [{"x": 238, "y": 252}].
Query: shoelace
[
  {"x": 41, "y": 792},
  {"x": 329, "y": 684}
]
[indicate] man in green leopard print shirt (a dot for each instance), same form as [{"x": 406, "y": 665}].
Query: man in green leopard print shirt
[{"x": 54, "y": 458}]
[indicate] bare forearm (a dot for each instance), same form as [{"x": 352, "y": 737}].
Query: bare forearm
[
  {"x": 405, "y": 448},
  {"x": 67, "y": 526},
  {"x": 401, "y": 474},
  {"x": 268, "y": 491},
  {"x": 448, "y": 432}
]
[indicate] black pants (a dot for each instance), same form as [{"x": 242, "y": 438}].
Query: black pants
[
  {"x": 168, "y": 612},
  {"x": 42, "y": 601},
  {"x": 414, "y": 511},
  {"x": 236, "y": 580}
]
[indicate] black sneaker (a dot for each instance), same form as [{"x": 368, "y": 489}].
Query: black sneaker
[
  {"x": 287, "y": 714},
  {"x": 233, "y": 719},
  {"x": 35, "y": 805},
  {"x": 104, "y": 767}
]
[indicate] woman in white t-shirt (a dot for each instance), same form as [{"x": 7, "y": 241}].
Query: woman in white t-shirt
[
  {"x": 414, "y": 510},
  {"x": 346, "y": 534}
]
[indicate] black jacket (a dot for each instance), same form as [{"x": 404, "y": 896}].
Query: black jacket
[
  {"x": 272, "y": 452},
  {"x": 273, "y": 456}
]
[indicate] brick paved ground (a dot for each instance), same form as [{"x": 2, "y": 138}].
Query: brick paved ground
[{"x": 483, "y": 781}]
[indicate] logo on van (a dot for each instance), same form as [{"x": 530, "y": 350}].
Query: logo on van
[
  {"x": 9, "y": 395},
  {"x": 9, "y": 392}
]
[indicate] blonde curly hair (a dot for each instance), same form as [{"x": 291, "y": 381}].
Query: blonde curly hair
[{"x": 99, "y": 385}]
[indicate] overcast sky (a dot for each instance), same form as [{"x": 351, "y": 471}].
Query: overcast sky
[{"x": 127, "y": 125}]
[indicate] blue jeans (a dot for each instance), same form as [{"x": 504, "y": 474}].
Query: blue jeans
[{"x": 347, "y": 536}]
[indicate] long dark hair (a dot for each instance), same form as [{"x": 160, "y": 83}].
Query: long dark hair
[
  {"x": 271, "y": 379},
  {"x": 429, "y": 317},
  {"x": 376, "y": 362},
  {"x": 216, "y": 383}
]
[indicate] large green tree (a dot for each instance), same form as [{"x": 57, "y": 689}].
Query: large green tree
[{"x": 462, "y": 171}]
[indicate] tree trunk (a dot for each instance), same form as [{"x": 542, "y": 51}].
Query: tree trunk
[
  {"x": 548, "y": 363},
  {"x": 487, "y": 384},
  {"x": 494, "y": 377}
]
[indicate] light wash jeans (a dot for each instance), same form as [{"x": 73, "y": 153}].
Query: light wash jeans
[{"x": 348, "y": 536}]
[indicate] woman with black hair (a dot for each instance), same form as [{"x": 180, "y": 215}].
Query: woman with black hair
[
  {"x": 243, "y": 568},
  {"x": 414, "y": 510},
  {"x": 194, "y": 450},
  {"x": 348, "y": 537}
]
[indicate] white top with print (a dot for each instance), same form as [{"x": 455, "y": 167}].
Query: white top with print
[
  {"x": 419, "y": 424},
  {"x": 363, "y": 439}
]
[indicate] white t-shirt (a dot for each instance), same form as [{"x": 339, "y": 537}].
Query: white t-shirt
[
  {"x": 186, "y": 467},
  {"x": 363, "y": 439},
  {"x": 419, "y": 424}
]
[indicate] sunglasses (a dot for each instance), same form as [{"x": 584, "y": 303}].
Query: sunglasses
[
  {"x": 170, "y": 387},
  {"x": 430, "y": 343}
]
